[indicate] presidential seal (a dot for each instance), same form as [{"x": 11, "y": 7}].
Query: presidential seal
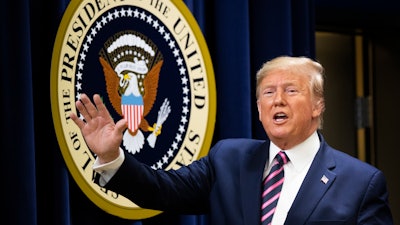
[{"x": 149, "y": 62}]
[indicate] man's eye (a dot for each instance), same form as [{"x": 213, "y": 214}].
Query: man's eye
[
  {"x": 291, "y": 91},
  {"x": 268, "y": 92}
]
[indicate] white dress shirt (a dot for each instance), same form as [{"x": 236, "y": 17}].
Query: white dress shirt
[
  {"x": 301, "y": 157},
  {"x": 107, "y": 170}
]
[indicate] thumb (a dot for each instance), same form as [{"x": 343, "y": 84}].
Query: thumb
[{"x": 121, "y": 125}]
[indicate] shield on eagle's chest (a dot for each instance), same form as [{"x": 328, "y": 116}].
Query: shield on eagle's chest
[{"x": 133, "y": 113}]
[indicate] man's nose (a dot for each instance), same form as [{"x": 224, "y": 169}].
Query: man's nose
[{"x": 279, "y": 98}]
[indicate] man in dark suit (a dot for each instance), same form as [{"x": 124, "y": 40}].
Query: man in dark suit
[{"x": 321, "y": 185}]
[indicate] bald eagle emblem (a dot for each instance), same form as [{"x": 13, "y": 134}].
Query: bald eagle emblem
[{"x": 131, "y": 66}]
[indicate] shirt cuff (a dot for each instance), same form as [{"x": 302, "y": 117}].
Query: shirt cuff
[{"x": 107, "y": 170}]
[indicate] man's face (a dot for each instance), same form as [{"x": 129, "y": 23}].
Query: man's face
[{"x": 286, "y": 108}]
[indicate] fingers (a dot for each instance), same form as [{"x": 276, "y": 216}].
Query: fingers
[
  {"x": 77, "y": 121},
  {"x": 101, "y": 108},
  {"x": 86, "y": 108},
  {"x": 89, "y": 110}
]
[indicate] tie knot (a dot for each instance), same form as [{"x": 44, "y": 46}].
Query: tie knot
[{"x": 282, "y": 158}]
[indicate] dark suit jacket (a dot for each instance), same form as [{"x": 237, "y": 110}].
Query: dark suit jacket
[{"x": 226, "y": 184}]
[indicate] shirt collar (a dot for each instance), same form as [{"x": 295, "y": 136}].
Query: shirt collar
[{"x": 301, "y": 154}]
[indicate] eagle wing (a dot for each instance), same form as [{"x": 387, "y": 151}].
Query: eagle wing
[
  {"x": 112, "y": 84},
  {"x": 150, "y": 86}
]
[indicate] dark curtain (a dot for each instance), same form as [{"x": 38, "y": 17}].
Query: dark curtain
[{"x": 36, "y": 184}]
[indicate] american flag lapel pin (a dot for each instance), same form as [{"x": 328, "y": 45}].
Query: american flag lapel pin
[{"x": 324, "y": 179}]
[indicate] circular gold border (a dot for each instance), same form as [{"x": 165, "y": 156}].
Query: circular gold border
[{"x": 125, "y": 212}]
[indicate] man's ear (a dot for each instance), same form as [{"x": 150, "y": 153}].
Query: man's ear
[
  {"x": 318, "y": 108},
  {"x": 259, "y": 109}
]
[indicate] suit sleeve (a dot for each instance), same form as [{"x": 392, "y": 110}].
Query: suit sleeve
[
  {"x": 185, "y": 190},
  {"x": 375, "y": 206}
]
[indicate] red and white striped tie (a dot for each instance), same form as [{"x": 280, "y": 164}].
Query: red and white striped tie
[{"x": 272, "y": 186}]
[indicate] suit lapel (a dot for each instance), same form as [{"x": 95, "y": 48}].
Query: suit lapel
[
  {"x": 317, "y": 181},
  {"x": 251, "y": 172}
]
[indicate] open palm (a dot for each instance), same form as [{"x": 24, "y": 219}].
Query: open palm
[{"x": 101, "y": 134}]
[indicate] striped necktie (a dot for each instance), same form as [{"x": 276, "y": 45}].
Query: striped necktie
[{"x": 272, "y": 186}]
